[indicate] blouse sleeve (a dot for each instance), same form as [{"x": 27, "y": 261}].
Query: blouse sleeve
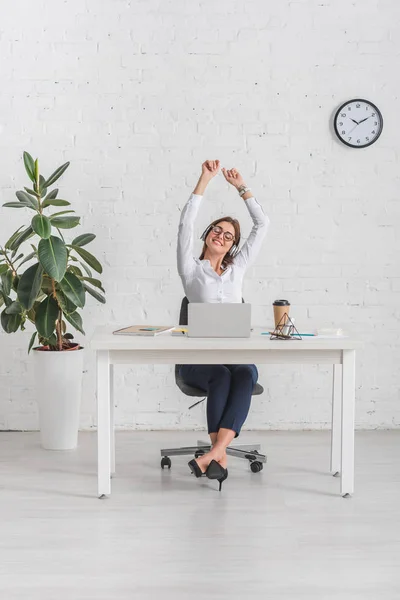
[
  {"x": 252, "y": 246},
  {"x": 186, "y": 235}
]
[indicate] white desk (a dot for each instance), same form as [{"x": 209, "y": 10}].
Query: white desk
[{"x": 259, "y": 349}]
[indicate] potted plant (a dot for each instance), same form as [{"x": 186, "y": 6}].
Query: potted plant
[{"x": 47, "y": 288}]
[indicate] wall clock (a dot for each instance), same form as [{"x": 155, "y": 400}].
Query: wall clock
[{"x": 358, "y": 123}]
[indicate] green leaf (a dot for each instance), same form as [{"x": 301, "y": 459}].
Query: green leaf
[
  {"x": 15, "y": 308},
  {"x": 46, "y": 316},
  {"x": 6, "y": 298},
  {"x": 12, "y": 238},
  {"x": 29, "y": 166},
  {"x": 89, "y": 259},
  {"x": 94, "y": 293},
  {"x": 27, "y": 258},
  {"x": 75, "y": 270},
  {"x": 32, "y": 341},
  {"x": 65, "y": 222},
  {"x": 60, "y": 234},
  {"x": 51, "y": 195},
  {"x": 83, "y": 239},
  {"x": 53, "y": 257},
  {"x": 6, "y": 282},
  {"x": 76, "y": 321},
  {"x": 42, "y": 226},
  {"x": 32, "y": 192},
  {"x": 62, "y": 212},
  {"x": 85, "y": 268},
  {"x": 1, "y": 300},
  {"x": 3, "y": 269},
  {"x": 21, "y": 238},
  {"x": 47, "y": 285},
  {"x": 15, "y": 205},
  {"x": 15, "y": 282},
  {"x": 52, "y": 341},
  {"x": 42, "y": 186},
  {"x": 27, "y": 200},
  {"x": 10, "y": 323},
  {"x": 94, "y": 282},
  {"x": 55, "y": 202},
  {"x": 67, "y": 306},
  {"x": 30, "y": 285},
  {"x": 57, "y": 173},
  {"x": 31, "y": 314},
  {"x": 73, "y": 289}
]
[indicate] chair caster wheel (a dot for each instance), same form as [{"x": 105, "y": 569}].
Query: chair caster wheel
[
  {"x": 256, "y": 466},
  {"x": 165, "y": 462},
  {"x": 199, "y": 453}
]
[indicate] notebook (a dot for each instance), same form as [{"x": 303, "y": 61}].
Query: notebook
[{"x": 143, "y": 330}]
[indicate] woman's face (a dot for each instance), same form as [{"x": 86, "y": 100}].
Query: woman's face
[{"x": 221, "y": 238}]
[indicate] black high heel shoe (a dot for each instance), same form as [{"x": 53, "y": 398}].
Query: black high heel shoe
[
  {"x": 194, "y": 467},
  {"x": 222, "y": 479},
  {"x": 216, "y": 471}
]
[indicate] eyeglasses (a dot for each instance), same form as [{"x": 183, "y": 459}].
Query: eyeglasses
[{"x": 228, "y": 236}]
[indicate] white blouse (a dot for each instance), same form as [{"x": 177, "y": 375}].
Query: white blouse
[{"x": 200, "y": 282}]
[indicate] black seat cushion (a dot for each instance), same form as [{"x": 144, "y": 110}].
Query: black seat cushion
[{"x": 184, "y": 387}]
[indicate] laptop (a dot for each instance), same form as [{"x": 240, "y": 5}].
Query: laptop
[{"x": 219, "y": 320}]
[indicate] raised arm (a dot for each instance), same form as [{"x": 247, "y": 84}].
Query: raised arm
[
  {"x": 209, "y": 169},
  {"x": 253, "y": 244}
]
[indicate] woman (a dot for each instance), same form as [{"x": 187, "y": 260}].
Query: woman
[{"x": 217, "y": 276}]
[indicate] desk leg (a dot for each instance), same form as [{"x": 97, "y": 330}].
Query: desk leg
[
  {"x": 112, "y": 426},
  {"x": 336, "y": 420},
  {"x": 103, "y": 424},
  {"x": 348, "y": 409}
]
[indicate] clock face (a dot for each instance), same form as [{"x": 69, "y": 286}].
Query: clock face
[{"x": 358, "y": 123}]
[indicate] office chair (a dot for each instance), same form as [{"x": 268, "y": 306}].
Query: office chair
[{"x": 247, "y": 452}]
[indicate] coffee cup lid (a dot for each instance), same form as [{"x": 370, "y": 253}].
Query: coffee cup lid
[{"x": 281, "y": 303}]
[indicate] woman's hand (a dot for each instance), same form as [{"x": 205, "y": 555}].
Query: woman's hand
[
  {"x": 233, "y": 177},
  {"x": 209, "y": 169}
]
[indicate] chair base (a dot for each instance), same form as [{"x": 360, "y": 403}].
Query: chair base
[{"x": 249, "y": 452}]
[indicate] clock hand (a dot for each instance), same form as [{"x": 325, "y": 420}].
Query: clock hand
[
  {"x": 353, "y": 129},
  {"x": 355, "y": 121},
  {"x": 366, "y": 119}
]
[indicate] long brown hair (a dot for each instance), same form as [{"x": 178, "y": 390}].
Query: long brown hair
[{"x": 228, "y": 258}]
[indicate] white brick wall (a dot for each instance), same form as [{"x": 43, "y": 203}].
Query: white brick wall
[{"x": 136, "y": 95}]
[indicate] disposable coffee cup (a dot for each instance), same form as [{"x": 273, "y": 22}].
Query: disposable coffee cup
[{"x": 281, "y": 308}]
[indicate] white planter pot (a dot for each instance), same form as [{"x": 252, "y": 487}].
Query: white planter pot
[{"x": 58, "y": 380}]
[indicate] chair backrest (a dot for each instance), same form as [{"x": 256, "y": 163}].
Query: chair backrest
[{"x": 183, "y": 315}]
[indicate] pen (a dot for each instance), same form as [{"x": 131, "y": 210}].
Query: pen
[{"x": 305, "y": 334}]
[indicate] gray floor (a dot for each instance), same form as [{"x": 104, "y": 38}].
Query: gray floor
[{"x": 284, "y": 533}]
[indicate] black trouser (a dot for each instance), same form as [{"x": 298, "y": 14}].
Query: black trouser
[{"x": 228, "y": 388}]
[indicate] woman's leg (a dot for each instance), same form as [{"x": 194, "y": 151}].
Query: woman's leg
[
  {"x": 224, "y": 459},
  {"x": 215, "y": 380},
  {"x": 213, "y": 438},
  {"x": 243, "y": 379}
]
